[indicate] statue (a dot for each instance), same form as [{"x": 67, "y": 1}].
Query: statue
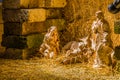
[
  {"x": 50, "y": 46},
  {"x": 101, "y": 41},
  {"x": 77, "y": 51}
]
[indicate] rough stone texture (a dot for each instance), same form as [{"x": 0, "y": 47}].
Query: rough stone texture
[
  {"x": 21, "y": 15},
  {"x": 27, "y": 28},
  {"x": 14, "y": 42},
  {"x": 37, "y": 15},
  {"x": 55, "y": 3},
  {"x": 11, "y": 4},
  {"x": 30, "y": 15},
  {"x": 2, "y": 49},
  {"x": 15, "y": 4},
  {"x": 118, "y": 66},
  {"x": 59, "y": 23},
  {"x": 117, "y": 53},
  {"x": 21, "y": 42},
  {"x": 34, "y": 40},
  {"x": 1, "y": 21},
  {"x": 24, "y": 28},
  {"x": 13, "y": 53},
  {"x": 54, "y": 13},
  {"x": 117, "y": 27}
]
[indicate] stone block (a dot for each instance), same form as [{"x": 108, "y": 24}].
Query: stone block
[
  {"x": 22, "y": 15},
  {"x": 117, "y": 67},
  {"x": 54, "y": 13},
  {"x": 24, "y": 28},
  {"x": 34, "y": 40},
  {"x": 13, "y": 53},
  {"x": 117, "y": 27},
  {"x": 22, "y": 42},
  {"x": 14, "y": 42},
  {"x": 17, "y": 4},
  {"x": 1, "y": 20},
  {"x": 27, "y": 28},
  {"x": 117, "y": 53},
  {"x": 37, "y": 15},
  {"x": 2, "y": 49},
  {"x": 59, "y": 23},
  {"x": 11, "y": 4},
  {"x": 55, "y": 3},
  {"x": 1, "y": 29},
  {"x": 30, "y": 15}
]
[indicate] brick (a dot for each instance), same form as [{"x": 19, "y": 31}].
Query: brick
[
  {"x": 37, "y": 15},
  {"x": 34, "y": 40},
  {"x": 54, "y": 13},
  {"x": 30, "y": 15},
  {"x": 117, "y": 26},
  {"x": 59, "y": 23},
  {"x": 11, "y": 4},
  {"x": 22, "y": 15},
  {"x": 1, "y": 32},
  {"x": 14, "y": 42},
  {"x": 24, "y": 28},
  {"x": 37, "y": 3},
  {"x": 13, "y": 53},
  {"x": 22, "y": 42},
  {"x": 15, "y": 15},
  {"x": 2, "y": 49},
  {"x": 17, "y": 4},
  {"x": 117, "y": 53},
  {"x": 1, "y": 29},
  {"x": 27, "y": 28},
  {"x": 55, "y": 3},
  {"x": 1, "y": 20},
  {"x": 117, "y": 66}
]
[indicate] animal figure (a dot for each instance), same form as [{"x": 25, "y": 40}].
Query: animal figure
[{"x": 77, "y": 51}]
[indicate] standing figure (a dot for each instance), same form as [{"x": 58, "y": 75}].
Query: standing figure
[
  {"x": 101, "y": 40},
  {"x": 50, "y": 45}
]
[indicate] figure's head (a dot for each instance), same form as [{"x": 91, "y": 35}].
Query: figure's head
[
  {"x": 99, "y": 14},
  {"x": 52, "y": 28}
]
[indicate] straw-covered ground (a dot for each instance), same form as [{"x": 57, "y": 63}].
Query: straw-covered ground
[{"x": 51, "y": 69}]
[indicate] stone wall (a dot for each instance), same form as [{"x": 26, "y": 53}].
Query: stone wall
[
  {"x": 26, "y": 21},
  {"x": 2, "y": 49}
]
